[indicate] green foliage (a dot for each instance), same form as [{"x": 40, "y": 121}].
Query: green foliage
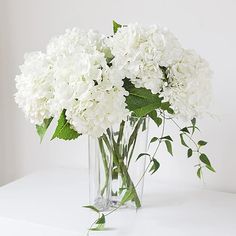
[
  {"x": 101, "y": 220},
  {"x": 185, "y": 130},
  {"x": 202, "y": 143},
  {"x": 203, "y": 157},
  {"x": 169, "y": 147},
  {"x": 142, "y": 154},
  {"x": 93, "y": 208},
  {"x": 190, "y": 152},
  {"x": 182, "y": 140},
  {"x": 210, "y": 168},
  {"x": 155, "y": 166},
  {"x": 154, "y": 139},
  {"x": 193, "y": 121},
  {"x": 155, "y": 118},
  {"x": 165, "y": 106},
  {"x": 167, "y": 138},
  {"x": 128, "y": 196},
  {"x": 199, "y": 172},
  {"x": 63, "y": 130},
  {"x": 141, "y": 101},
  {"x": 116, "y": 26},
  {"x": 41, "y": 129},
  {"x": 133, "y": 136},
  {"x": 100, "y": 223}
]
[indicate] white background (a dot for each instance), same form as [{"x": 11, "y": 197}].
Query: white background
[{"x": 208, "y": 26}]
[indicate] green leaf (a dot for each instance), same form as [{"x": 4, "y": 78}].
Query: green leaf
[
  {"x": 170, "y": 111},
  {"x": 141, "y": 101},
  {"x": 41, "y": 129},
  {"x": 101, "y": 220},
  {"x": 182, "y": 140},
  {"x": 155, "y": 166},
  {"x": 116, "y": 26},
  {"x": 121, "y": 131},
  {"x": 99, "y": 227},
  {"x": 202, "y": 143},
  {"x": 142, "y": 154},
  {"x": 193, "y": 121},
  {"x": 185, "y": 130},
  {"x": 168, "y": 138},
  {"x": 128, "y": 196},
  {"x": 92, "y": 208},
  {"x": 63, "y": 130},
  {"x": 210, "y": 168},
  {"x": 134, "y": 134},
  {"x": 193, "y": 128},
  {"x": 155, "y": 118},
  {"x": 203, "y": 157},
  {"x": 190, "y": 152},
  {"x": 165, "y": 105},
  {"x": 199, "y": 172},
  {"x": 169, "y": 147},
  {"x": 154, "y": 139},
  {"x": 100, "y": 223}
]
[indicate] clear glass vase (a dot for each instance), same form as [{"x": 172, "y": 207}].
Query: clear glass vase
[{"x": 115, "y": 174}]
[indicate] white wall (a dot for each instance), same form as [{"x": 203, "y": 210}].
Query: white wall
[{"x": 205, "y": 25}]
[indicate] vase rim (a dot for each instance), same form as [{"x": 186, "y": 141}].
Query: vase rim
[{"x": 137, "y": 117}]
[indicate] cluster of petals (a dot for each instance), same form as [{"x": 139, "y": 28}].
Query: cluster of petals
[{"x": 82, "y": 72}]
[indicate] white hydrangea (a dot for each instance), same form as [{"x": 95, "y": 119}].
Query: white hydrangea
[
  {"x": 34, "y": 87},
  {"x": 189, "y": 86},
  {"x": 89, "y": 90},
  {"x": 74, "y": 75},
  {"x": 74, "y": 40},
  {"x": 140, "y": 51},
  {"x": 102, "y": 106}
]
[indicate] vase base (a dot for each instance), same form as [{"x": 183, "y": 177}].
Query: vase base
[
  {"x": 117, "y": 204},
  {"x": 102, "y": 204}
]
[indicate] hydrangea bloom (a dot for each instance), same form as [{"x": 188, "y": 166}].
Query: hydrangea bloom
[
  {"x": 75, "y": 75},
  {"x": 74, "y": 40},
  {"x": 89, "y": 90},
  {"x": 189, "y": 87},
  {"x": 34, "y": 87},
  {"x": 140, "y": 51}
]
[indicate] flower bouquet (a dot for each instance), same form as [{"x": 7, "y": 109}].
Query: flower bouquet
[{"x": 109, "y": 88}]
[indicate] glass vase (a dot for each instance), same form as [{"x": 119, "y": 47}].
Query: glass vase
[{"x": 115, "y": 174}]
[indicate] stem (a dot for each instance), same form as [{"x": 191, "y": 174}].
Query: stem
[
  {"x": 146, "y": 169},
  {"x": 118, "y": 160},
  {"x": 185, "y": 134},
  {"x": 105, "y": 164},
  {"x": 196, "y": 145},
  {"x": 132, "y": 140},
  {"x": 162, "y": 135},
  {"x": 121, "y": 131}
]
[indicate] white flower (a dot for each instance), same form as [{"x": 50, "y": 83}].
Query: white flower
[
  {"x": 34, "y": 87},
  {"x": 74, "y": 40},
  {"x": 74, "y": 75},
  {"x": 189, "y": 86},
  {"x": 89, "y": 90},
  {"x": 101, "y": 107},
  {"x": 140, "y": 51}
]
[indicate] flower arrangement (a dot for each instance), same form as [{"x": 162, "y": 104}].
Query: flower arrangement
[{"x": 89, "y": 82}]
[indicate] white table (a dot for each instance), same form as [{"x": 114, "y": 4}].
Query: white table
[{"x": 48, "y": 203}]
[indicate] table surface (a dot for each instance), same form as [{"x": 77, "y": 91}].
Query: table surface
[{"x": 50, "y": 202}]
